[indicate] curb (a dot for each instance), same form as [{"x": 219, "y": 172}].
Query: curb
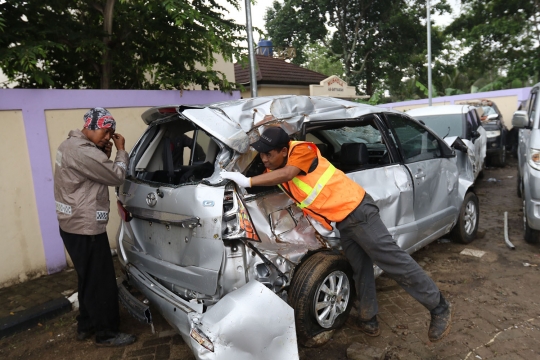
[{"x": 30, "y": 317}]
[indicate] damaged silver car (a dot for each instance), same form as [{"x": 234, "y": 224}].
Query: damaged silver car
[{"x": 225, "y": 265}]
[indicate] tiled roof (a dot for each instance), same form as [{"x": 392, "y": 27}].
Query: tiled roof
[{"x": 276, "y": 71}]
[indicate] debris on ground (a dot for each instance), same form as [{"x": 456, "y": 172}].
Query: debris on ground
[
  {"x": 472, "y": 252},
  {"x": 526, "y": 264}
]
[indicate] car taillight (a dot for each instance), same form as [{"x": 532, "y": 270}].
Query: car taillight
[
  {"x": 124, "y": 214},
  {"x": 167, "y": 110}
]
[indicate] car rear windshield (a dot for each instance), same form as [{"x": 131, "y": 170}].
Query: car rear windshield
[
  {"x": 444, "y": 125},
  {"x": 174, "y": 153}
]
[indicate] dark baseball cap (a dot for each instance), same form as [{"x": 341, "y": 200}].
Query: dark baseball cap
[{"x": 271, "y": 138}]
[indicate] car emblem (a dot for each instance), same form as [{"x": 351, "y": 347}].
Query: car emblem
[
  {"x": 151, "y": 199},
  {"x": 208, "y": 203}
]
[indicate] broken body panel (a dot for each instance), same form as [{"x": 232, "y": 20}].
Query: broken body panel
[{"x": 197, "y": 245}]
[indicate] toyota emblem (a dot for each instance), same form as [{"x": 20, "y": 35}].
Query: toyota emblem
[{"x": 151, "y": 199}]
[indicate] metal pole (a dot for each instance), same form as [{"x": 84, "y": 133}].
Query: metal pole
[
  {"x": 429, "y": 51},
  {"x": 252, "y": 70}
]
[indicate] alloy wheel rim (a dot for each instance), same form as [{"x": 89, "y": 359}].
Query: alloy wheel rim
[
  {"x": 470, "y": 217},
  {"x": 332, "y": 298}
]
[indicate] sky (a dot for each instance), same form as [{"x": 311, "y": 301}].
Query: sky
[{"x": 259, "y": 9}]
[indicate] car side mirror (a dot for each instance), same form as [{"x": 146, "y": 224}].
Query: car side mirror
[
  {"x": 458, "y": 144},
  {"x": 493, "y": 116},
  {"x": 520, "y": 119}
]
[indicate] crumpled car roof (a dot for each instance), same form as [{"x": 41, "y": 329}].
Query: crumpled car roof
[{"x": 291, "y": 111}]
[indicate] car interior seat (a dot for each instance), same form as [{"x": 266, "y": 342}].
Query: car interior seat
[{"x": 354, "y": 156}]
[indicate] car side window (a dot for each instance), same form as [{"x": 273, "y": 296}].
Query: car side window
[
  {"x": 471, "y": 123},
  {"x": 415, "y": 142},
  {"x": 353, "y": 146},
  {"x": 476, "y": 118},
  {"x": 532, "y": 107}
]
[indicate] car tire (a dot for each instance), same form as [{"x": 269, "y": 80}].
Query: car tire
[
  {"x": 467, "y": 224},
  {"x": 307, "y": 292},
  {"x": 499, "y": 159},
  {"x": 531, "y": 236}
]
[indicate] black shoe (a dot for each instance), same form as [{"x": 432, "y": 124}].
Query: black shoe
[
  {"x": 115, "y": 339},
  {"x": 441, "y": 319},
  {"x": 83, "y": 335},
  {"x": 369, "y": 327}
]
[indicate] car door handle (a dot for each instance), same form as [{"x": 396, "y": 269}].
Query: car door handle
[{"x": 420, "y": 175}]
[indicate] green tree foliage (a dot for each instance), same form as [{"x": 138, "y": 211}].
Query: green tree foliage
[
  {"x": 501, "y": 37},
  {"x": 130, "y": 44},
  {"x": 376, "y": 41},
  {"x": 318, "y": 59}
]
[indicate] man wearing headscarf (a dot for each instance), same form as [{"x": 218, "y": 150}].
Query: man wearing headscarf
[{"x": 83, "y": 173}]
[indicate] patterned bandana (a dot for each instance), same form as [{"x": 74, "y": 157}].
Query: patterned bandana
[{"x": 99, "y": 118}]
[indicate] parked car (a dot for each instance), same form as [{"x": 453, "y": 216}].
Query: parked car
[
  {"x": 457, "y": 120},
  {"x": 199, "y": 247},
  {"x": 496, "y": 132},
  {"x": 527, "y": 121}
]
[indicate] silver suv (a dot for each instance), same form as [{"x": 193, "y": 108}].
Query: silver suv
[
  {"x": 226, "y": 265},
  {"x": 529, "y": 164}
]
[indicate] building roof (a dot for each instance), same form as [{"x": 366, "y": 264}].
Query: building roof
[{"x": 276, "y": 71}]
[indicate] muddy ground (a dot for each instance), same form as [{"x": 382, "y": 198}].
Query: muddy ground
[{"x": 495, "y": 299}]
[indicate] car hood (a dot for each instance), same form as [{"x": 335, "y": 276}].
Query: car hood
[{"x": 236, "y": 123}]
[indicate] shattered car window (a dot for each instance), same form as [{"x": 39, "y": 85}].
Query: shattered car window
[{"x": 364, "y": 134}]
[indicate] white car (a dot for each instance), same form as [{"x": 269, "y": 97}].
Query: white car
[
  {"x": 225, "y": 265},
  {"x": 457, "y": 120}
]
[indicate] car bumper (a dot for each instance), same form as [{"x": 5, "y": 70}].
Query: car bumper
[
  {"x": 494, "y": 145},
  {"x": 176, "y": 310},
  {"x": 234, "y": 328}
]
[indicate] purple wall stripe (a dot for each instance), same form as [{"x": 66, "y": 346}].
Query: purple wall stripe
[
  {"x": 521, "y": 93},
  {"x": 33, "y": 104}
]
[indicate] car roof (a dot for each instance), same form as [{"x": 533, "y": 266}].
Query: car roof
[
  {"x": 440, "y": 110},
  {"x": 231, "y": 121}
]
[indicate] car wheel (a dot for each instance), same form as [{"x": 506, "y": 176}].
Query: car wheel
[
  {"x": 469, "y": 216},
  {"x": 321, "y": 294},
  {"x": 531, "y": 235},
  {"x": 499, "y": 159},
  {"x": 519, "y": 186}
]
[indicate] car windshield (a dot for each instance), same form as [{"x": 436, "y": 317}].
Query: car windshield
[
  {"x": 444, "y": 125},
  {"x": 488, "y": 110}
]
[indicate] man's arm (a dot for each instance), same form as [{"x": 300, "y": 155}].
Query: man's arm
[
  {"x": 275, "y": 177},
  {"x": 94, "y": 164}
]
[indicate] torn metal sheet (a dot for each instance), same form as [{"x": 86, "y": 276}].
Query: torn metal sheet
[{"x": 237, "y": 327}]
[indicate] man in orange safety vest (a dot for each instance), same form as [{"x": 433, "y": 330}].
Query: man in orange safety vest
[{"x": 327, "y": 195}]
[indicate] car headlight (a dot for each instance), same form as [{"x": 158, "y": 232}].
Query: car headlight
[
  {"x": 493, "y": 133},
  {"x": 534, "y": 159}
]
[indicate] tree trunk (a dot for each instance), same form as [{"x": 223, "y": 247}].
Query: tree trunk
[{"x": 106, "y": 69}]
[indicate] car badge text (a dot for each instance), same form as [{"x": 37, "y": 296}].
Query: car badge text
[{"x": 151, "y": 199}]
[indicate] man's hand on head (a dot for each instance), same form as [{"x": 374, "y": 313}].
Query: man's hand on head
[{"x": 119, "y": 141}]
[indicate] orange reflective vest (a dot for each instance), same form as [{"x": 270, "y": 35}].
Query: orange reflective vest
[{"x": 326, "y": 193}]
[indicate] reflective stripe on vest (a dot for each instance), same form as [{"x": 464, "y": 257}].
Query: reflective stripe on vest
[{"x": 313, "y": 192}]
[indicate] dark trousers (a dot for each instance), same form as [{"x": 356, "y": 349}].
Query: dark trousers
[
  {"x": 365, "y": 241},
  {"x": 98, "y": 292}
]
